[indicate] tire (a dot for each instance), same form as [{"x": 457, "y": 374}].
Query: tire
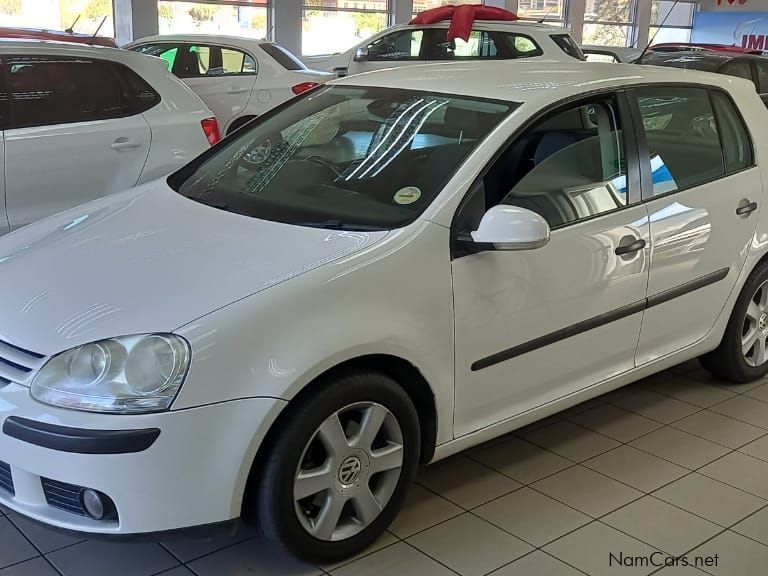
[
  {"x": 730, "y": 361},
  {"x": 305, "y": 442}
]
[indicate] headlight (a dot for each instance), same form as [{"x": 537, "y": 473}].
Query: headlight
[{"x": 131, "y": 374}]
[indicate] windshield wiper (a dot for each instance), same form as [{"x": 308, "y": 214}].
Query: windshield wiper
[{"x": 341, "y": 225}]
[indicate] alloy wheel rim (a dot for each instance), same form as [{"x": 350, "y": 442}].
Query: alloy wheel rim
[
  {"x": 754, "y": 335},
  {"x": 348, "y": 471}
]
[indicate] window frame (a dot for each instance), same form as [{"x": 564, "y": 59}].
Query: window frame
[
  {"x": 116, "y": 69},
  {"x": 644, "y": 155},
  {"x": 460, "y": 247}
]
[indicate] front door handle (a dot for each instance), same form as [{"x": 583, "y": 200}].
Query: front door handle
[
  {"x": 746, "y": 208},
  {"x": 629, "y": 245},
  {"x": 124, "y": 144}
]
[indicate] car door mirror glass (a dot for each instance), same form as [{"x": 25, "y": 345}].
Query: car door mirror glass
[
  {"x": 361, "y": 54},
  {"x": 512, "y": 228}
]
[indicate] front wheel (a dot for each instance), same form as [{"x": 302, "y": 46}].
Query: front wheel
[
  {"x": 337, "y": 472},
  {"x": 743, "y": 353}
]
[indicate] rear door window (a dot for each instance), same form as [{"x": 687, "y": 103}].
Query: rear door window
[
  {"x": 481, "y": 45},
  {"x": 738, "y": 68},
  {"x": 683, "y": 137},
  {"x": 47, "y": 90},
  {"x": 762, "y": 75},
  {"x": 282, "y": 56}
]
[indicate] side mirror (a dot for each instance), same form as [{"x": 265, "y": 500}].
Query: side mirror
[
  {"x": 361, "y": 54},
  {"x": 512, "y": 228}
]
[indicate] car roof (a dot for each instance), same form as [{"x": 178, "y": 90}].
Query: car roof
[
  {"x": 492, "y": 24},
  {"x": 524, "y": 81},
  {"x": 695, "y": 60},
  {"x": 203, "y": 38},
  {"x": 55, "y": 47}
]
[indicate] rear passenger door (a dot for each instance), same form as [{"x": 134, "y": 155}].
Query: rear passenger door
[
  {"x": 223, "y": 77},
  {"x": 702, "y": 191},
  {"x": 76, "y": 133}
]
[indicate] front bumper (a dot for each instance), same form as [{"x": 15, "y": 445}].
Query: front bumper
[{"x": 192, "y": 473}]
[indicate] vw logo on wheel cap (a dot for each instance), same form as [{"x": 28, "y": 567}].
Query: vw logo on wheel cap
[{"x": 349, "y": 471}]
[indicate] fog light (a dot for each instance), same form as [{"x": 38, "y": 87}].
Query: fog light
[{"x": 96, "y": 504}]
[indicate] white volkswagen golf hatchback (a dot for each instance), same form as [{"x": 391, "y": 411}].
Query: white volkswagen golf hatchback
[
  {"x": 239, "y": 78},
  {"x": 410, "y": 44},
  {"x": 381, "y": 273},
  {"x": 79, "y": 122}
]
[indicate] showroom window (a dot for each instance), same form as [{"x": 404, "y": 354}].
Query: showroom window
[
  {"x": 230, "y": 17},
  {"x": 610, "y": 22},
  {"x": 677, "y": 20},
  {"x": 331, "y": 26},
  {"x": 553, "y": 11},
  {"x": 84, "y": 16}
]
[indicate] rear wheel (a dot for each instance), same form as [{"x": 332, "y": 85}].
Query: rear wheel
[
  {"x": 338, "y": 470},
  {"x": 743, "y": 354}
]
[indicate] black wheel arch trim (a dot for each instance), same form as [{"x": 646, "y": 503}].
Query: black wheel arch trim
[
  {"x": 601, "y": 320},
  {"x": 79, "y": 440}
]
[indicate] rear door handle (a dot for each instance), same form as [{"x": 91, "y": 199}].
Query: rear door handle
[
  {"x": 629, "y": 245},
  {"x": 124, "y": 144},
  {"x": 746, "y": 209},
  {"x": 235, "y": 90}
]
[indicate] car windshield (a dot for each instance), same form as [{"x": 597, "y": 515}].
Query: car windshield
[{"x": 344, "y": 157}]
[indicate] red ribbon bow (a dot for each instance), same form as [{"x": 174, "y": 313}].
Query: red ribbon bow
[{"x": 462, "y": 17}]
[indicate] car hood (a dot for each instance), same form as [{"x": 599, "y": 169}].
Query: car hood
[{"x": 148, "y": 260}]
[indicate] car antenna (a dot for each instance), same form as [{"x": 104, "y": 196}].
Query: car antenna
[
  {"x": 71, "y": 29},
  {"x": 99, "y": 27},
  {"x": 544, "y": 18},
  {"x": 658, "y": 29}
]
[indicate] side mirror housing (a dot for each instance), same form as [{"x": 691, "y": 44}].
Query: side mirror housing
[
  {"x": 512, "y": 228},
  {"x": 361, "y": 54}
]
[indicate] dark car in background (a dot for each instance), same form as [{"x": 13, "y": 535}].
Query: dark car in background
[{"x": 748, "y": 66}]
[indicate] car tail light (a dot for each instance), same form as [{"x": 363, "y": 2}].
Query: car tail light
[
  {"x": 303, "y": 87},
  {"x": 211, "y": 129}
]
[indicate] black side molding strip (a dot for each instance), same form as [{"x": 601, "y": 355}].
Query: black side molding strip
[
  {"x": 601, "y": 320},
  {"x": 79, "y": 440},
  {"x": 684, "y": 289}
]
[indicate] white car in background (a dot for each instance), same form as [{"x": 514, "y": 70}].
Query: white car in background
[
  {"x": 616, "y": 54},
  {"x": 408, "y": 44},
  {"x": 394, "y": 268},
  {"x": 80, "y": 122},
  {"x": 238, "y": 78}
]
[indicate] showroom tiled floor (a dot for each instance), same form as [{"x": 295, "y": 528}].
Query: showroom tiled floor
[{"x": 677, "y": 463}]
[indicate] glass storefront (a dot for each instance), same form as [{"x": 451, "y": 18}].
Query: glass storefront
[
  {"x": 85, "y": 16},
  {"x": 609, "y": 22},
  {"x": 247, "y": 18},
  {"x": 330, "y": 26}
]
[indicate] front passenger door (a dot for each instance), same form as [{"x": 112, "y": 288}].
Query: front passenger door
[{"x": 538, "y": 325}]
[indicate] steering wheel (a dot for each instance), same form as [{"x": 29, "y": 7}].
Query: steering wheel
[{"x": 323, "y": 162}]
